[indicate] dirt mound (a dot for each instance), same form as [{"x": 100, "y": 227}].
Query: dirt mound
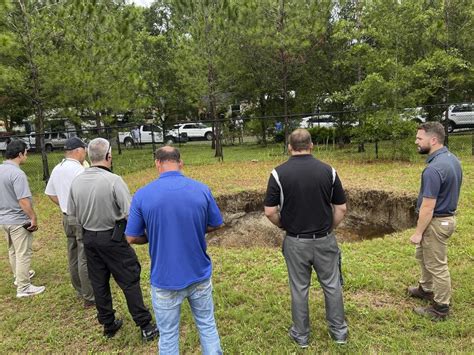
[{"x": 371, "y": 214}]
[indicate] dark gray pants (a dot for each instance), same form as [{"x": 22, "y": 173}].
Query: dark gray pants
[
  {"x": 301, "y": 256},
  {"x": 77, "y": 260}
]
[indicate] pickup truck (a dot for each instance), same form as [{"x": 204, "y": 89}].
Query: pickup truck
[
  {"x": 5, "y": 139},
  {"x": 143, "y": 135}
]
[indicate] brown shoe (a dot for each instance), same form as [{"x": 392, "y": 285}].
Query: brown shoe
[
  {"x": 418, "y": 292},
  {"x": 436, "y": 312}
]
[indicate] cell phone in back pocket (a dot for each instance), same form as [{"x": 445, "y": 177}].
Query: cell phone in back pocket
[{"x": 119, "y": 230}]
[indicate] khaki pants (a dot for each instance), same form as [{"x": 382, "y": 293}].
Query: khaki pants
[
  {"x": 432, "y": 254},
  {"x": 77, "y": 260},
  {"x": 19, "y": 251}
]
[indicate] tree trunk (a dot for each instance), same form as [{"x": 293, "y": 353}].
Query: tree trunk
[
  {"x": 36, "y": 99},
  {"x": 263, "y": 123},
  {"x": 98, "y": 123},
  {"x": 284, "y": 73}
]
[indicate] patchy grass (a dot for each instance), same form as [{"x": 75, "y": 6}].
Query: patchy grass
[{"x": 251, "y": 292}]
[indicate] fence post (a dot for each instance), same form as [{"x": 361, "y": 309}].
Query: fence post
[
  {"x": 44, "y": 159},
  {"x": 118, "y": 143},
  {"x": 153, "y": 137},
  {"x": 472, "y": 144},
  {"x": 446, "y": 123}
]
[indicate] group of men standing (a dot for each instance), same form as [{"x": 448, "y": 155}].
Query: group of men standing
[{"x": 173, "y": 213}]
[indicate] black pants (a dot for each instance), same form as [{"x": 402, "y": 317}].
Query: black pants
[{"x": 106, "y": 257}]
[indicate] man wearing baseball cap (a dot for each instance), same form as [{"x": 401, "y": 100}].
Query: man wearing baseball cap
[{"x": 57, "y": 189}]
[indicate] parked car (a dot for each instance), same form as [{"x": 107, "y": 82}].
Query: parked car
[
  {"x": 52, "y": 140},
  {"x": 144, "y": 136},
  {"x": 417, "y": 114},
  {"x": 460, "y": 116},
  {"x": 4, "y": 140},
  {"x": 327, "y": 121},
  {"x": 195, "y": 131}
]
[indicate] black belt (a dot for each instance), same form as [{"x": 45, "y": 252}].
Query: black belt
[
  {"x": 440, "y": 215},
  {"x": 308, "y": 236}
]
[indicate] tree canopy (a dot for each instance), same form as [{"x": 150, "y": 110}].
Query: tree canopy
[{"x": 188, "y": 60}]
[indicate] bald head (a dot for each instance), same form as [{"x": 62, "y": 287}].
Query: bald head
[
  {"x": 168, "y": 153},
  {"x": 167, "y": 158},
  {"x": 300, "y": 140}
]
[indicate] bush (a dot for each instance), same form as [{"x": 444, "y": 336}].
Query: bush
[{"x": 322, "y": 135}]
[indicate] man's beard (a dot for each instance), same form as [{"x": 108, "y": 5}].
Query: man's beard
[{"x": 423, "y": 150}]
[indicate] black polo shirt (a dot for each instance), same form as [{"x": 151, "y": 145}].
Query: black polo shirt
[{"x": 308, "y": 188}]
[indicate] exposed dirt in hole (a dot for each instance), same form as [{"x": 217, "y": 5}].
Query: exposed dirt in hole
[{"x": 371, "y": 214}]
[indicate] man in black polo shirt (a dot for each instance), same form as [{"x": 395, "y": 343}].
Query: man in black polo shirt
[
  {"x": 305, "y": 198},
  {"x": 437, "y": 203}
]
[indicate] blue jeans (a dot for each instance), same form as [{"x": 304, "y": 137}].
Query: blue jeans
[{"x": 167, "y": 306}]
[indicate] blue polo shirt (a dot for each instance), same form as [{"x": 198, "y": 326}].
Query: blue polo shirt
[
  {"x": 175, "y": 211},
  {"x": 441, "y": 180}
]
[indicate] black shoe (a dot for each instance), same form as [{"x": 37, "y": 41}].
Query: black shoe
[
  {"x": 111, "y": 329},
  {"x": 149, "y": 332},
  {"x": 302, "y": 344},
  {"x": 436, "y": 312},
  {"x": 418, "y": 292}
]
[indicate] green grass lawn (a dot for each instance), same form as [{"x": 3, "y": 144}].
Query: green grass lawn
[{"x": 251, "y": 293}]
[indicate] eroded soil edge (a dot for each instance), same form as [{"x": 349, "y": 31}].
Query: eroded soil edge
[{"x": 371, "y": 214}]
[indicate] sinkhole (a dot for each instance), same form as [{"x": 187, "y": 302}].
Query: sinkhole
[{"x": 371, "y": 214}]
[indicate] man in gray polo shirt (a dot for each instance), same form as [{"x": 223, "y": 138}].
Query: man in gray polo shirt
[
  {"x": 17, "y": 217},
  {"x": 100, "y": 201},
  {"x": 437, "y": 203},
  {"x": 57, "y": 189}
]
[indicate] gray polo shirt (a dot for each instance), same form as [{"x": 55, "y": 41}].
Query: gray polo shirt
[
  {"x": 441, "y": 180},
  {"x": 98, "y": 198},
  {"x": 13, "y": 187}
]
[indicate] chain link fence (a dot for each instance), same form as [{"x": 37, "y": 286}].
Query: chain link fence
[{"x": 383, "y": 134}]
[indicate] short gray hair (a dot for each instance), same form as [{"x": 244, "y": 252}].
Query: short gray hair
[
  {"x": 300, "y": 139},
  {"x": 98, "y": 149}
]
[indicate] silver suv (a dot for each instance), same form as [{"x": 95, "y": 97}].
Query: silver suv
[
  {"x": 460, "y": 116},
  {"x": 52, "y": 140}
]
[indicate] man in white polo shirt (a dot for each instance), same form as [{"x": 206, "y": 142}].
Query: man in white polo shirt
[{"x": 58, "y": 188}]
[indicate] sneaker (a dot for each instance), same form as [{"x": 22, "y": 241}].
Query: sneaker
[
  {"x": 436, "y": 312},
  {"x": 31, "y": 274},
  {"x": 302, "y": 344},
  {"x": 111, "y": 329},
  {"x": 339, "y": 340},
  {"x": 149, "y": 332},
  {"x": 30, "y": 291},
  {"x": 418, "y": 292}
]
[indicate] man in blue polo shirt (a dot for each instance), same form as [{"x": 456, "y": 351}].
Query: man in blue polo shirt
[
  {"x": 176, "y": 213},
  {"x": 437, "y": 203}
]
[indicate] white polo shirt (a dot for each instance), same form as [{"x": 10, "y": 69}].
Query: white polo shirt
[{"x": 60, "y": 181}]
